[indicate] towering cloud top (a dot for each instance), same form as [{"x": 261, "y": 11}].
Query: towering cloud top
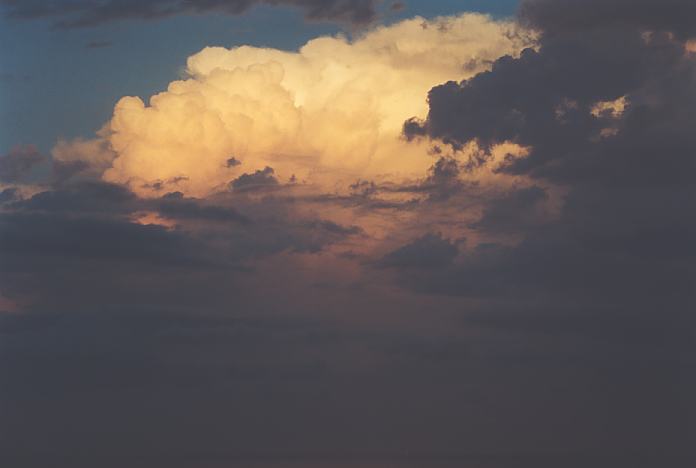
[{"x": 331, "y": 111}]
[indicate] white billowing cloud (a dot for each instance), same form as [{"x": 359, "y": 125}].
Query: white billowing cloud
[{"x": 327, "y": 114}]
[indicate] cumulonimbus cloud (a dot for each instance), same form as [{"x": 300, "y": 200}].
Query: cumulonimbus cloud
[{"x": 329, "y": 113}]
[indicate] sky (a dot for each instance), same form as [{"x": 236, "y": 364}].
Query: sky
[
  {"x": 46, "y": 72},
  {"x": 347, "y": 233}
]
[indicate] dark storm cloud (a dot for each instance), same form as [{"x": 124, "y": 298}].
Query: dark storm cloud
[
  {"x": 616, "y": 264},
  {"x": 563, "y": 16},
  {"x": 519, "y": 98},
  {"x": 622, "y": 214},
  {"x": 86, "y": 13}
]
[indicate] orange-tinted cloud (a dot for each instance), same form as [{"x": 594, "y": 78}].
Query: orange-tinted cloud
[{"x": 327, "y": 114}]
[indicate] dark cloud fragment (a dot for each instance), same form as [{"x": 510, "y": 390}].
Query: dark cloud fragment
[
  {"x": 397, "y": 6},
  {"x": 429, "y": 251},
  {"x": 259, "y": 180},
  {"x": 514, "y": 211},
  {"x": 442, "y": 181},
  {"x": 335, "y": 228},
  {"x": 8, "y": 195},
  {"x": 233, "y": 162},
  {"x": 162, "y": 184},
  {"x": 98, "y": 44},
  {"x": 88, "y": 13},
  {"x": 88, "y": 197},
  {"x": 177, "y": 206},
  {"x": 17, "y": 164},
  {"x": 23, "y": 235},
  {"x": 563, "y": 16}
]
